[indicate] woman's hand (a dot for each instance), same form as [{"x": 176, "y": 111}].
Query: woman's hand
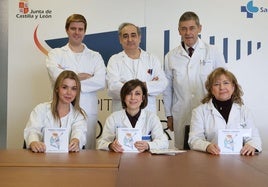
[
  {"x": 74, "y": 145},
  {"x": 247, "y": 150},
  {"x": 141, "y": 146},
  {"x": 38, "y": 147},
  {"x": 116, "y": 147},
  {"x": 213, "y": 149}
]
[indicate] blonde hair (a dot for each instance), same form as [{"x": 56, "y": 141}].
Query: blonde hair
[
  {"x": 54, "y": 104},
  {"x": 238, "y": 93}
]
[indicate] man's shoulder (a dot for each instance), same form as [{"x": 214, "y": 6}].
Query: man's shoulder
[
  {"x": 59, "y": 49},
  {"x": 175, "y": 50},
  {"x": 91, "y": 52},
  {"x": 116, "y": 58},
  {"x": 203, "y": 44}
]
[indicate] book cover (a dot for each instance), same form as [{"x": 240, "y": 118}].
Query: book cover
[
  {"x": 56, "y": 140},
  {"x": 230, "y": 141},
  {"x": 127, "y": 138}
]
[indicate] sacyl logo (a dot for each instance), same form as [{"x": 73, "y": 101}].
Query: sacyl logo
[{"x": 251, "y": 9}]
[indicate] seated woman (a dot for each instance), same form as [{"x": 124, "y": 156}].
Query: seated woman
[
  {"x": 63, "y": 111},
  {"x": 134, "y": 99},
  {"x": 222, "y": 108}
]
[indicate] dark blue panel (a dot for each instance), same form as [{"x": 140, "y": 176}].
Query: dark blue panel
[
  {"x": 225, "y": 49},
  {"x": 212, "y": 40},
  {"x": 258, "y": 45},
  {"x": 106, "y": 43},
  {"x": 238, "y": 49},
  {"x": 166, "y": 41},
  {"x": 249, "y": 47}
]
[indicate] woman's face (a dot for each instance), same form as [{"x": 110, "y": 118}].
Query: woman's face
[
  {"x": 134, "y": 99},
  {"x": 222, "y": 88},
  {"x": 67, "y": 91}
]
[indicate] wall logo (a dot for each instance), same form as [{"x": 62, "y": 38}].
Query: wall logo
[
  {"x": 23, "y": 7},
  {"x": 26, "y": 12},
  {"x": 251, "y": 9}
]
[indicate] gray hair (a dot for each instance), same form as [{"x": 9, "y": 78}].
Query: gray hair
[{"x": 120, "y": 28}]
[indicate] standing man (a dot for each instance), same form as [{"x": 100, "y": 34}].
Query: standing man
[
  {"x": 134, "y": 63},
  {"x": 187, "y": 67},
  {"x": 87, "y": 64}
]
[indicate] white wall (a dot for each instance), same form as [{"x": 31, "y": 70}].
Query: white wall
[{"x": 28, "y": 82}]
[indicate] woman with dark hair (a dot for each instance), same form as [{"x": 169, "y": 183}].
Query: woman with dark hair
[
  {"x": 134, "y": 99},
  {"x": 222, "y": 108},
  {"x": 62, "y": 112}
]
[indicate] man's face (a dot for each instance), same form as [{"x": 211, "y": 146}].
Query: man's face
[
  {"x": 76, "y": 32},
  {"x": 129, "y": 38},
  {"x": 189, "y": 31}
]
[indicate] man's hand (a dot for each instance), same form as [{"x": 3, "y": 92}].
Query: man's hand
[{"x": 84, "y": 76}]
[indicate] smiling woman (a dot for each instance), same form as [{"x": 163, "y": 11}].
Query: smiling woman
[
  {"x": 222, "y": 108},
  {"x": 134, "y": 99},
  {"x": 62, "y": 112}
]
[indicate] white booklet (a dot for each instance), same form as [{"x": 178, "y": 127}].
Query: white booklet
[
  {"x": 127, "y": 138},
  {"x": 56, "y": 140},
  {"x": 230, "y": 141}
]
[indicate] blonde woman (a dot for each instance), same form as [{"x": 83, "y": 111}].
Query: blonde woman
[{"x": 62, "y": 111}]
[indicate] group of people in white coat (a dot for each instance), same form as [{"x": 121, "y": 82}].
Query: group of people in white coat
[{"x": 134, "y": 78}]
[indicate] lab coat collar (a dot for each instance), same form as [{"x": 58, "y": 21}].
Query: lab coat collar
[
  {"x": 199, "y": 45},
  {"x": 142, "y": 55},
  {"x": 139, "y": 124},
  {"x": 141, "y": 119},
  {"x": 125, "y": 120},
  {"x": 49, "y": 113},
  {"x": 67, "y": 48},
  {"x": 211, "y": 107}
]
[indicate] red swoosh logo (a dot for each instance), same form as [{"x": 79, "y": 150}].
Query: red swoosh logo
[{"x": 37, "y": 43}]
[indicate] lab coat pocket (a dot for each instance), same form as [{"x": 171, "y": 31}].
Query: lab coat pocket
[{"x": 206, "y": 68}]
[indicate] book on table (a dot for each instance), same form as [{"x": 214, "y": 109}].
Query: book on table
[
  {"x": 230, "y": 141},
  {"x": 56, "y": 140},
  {"x": 127, "y": 138}
]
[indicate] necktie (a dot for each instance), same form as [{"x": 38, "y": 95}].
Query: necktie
[{"x": 191, "y": 50}]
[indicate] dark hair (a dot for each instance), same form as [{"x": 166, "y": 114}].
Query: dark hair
[
  {"x": 186, "y": 16},
  {"x": 75, "y": 18},
  {"x": 131, "y": 85},
  {"x": 120, "y": 28},
  {"x": 237, "y": 95},
  {"x": 62, "y": 76}
]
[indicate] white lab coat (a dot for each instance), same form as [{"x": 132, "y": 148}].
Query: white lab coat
[
  {"x": 186, "y": 83},
  {"x": 91, "y": 62},
  {"x": 41, "y": 117},
  {"x": 148, "y": 122},
  {"x": 121, "y": 69},
  {"x": 206, "y": 121}
]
